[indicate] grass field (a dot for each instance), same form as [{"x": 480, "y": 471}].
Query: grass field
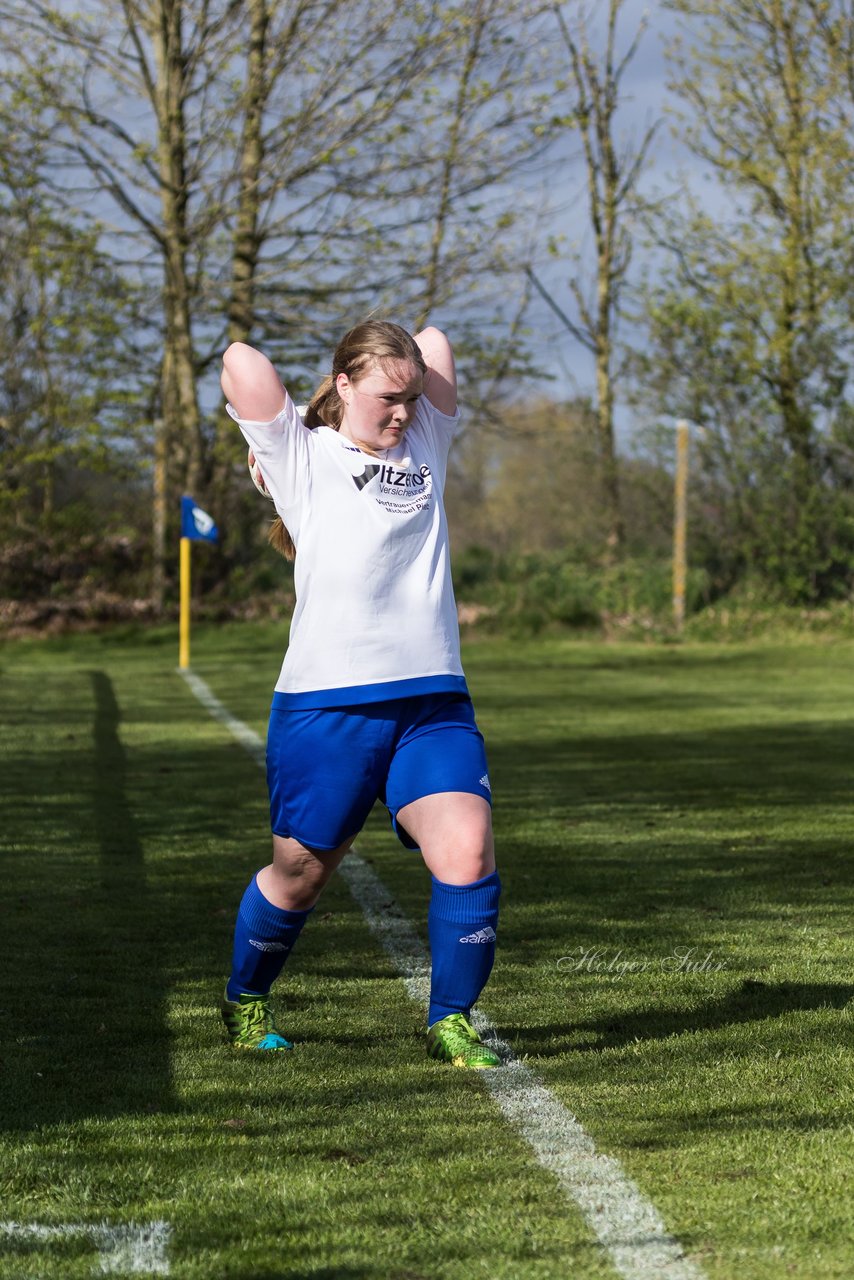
[{"x": 674, "y": 827}]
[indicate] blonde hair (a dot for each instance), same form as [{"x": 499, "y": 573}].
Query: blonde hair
[{"x": 370, "y": 343}]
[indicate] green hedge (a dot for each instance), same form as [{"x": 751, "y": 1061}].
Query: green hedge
[{"x": 531, "y": 593}]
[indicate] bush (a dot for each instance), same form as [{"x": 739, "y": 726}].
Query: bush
[
  {"x": 59, "y": 566},
  {"x": 528, "y": 594}
]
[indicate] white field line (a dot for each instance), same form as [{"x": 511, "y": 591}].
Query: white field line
[
  {"x": 624, "y": 1221},
  {"x": 138, "y": 1250}
]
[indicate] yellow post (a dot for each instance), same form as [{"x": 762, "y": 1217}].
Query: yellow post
[
  {"x": 184, "y": 623},
  {"x": 680, "y": 524}
]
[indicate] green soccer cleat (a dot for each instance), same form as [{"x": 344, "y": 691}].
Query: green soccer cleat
[
  {"x": 454, "y": 1039},
  {"x": 249, "y": 1023}
]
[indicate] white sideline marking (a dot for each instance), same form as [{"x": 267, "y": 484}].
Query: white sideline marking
[
  {"x": 247, "y": 737},
  {"x": 129, "y": 1248},
  {"x": 625, "y": 1222}
]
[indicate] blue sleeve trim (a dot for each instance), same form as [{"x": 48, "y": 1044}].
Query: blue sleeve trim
[{"x": 356, "y": 695}]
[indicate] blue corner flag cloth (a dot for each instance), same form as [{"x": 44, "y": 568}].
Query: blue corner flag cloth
[{"x": 195, "y": 523}]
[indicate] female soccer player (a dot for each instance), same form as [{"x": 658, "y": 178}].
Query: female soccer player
[{"x": 371, "y": 701}]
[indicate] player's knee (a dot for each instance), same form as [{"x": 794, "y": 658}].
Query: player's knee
[
  {"x": 473, "y": 855},
  {"x": 300, "y": 873}
]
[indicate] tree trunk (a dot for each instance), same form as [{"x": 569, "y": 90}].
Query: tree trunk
[
  {"x": 182, "y": 418},
  {"x": 241, "y": 312},
  {"x": 612, "y": 177},
  {"x": 159, "y": 521},
  {"x": 246, "y": 245},
  {"x": 614, "y": 535}
]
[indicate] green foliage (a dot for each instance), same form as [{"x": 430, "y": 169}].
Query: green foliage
[
  {"x": 787, "y": 520},
  {"x": 748, "y": 321},
  {"x": 270, "y": 177},
  {"x": 754, "y": 610},
  {"x": 71, "y": 567},
  {"x": 528, "y": 594},
  {"x": 748, "y": 334},
  {"x": 68, "y": 393}
]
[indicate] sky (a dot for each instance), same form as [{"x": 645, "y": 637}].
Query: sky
[{"x": 646, "y": 99}]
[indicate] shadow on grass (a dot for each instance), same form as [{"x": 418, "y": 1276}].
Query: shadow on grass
[
  {"x": 88, "y": 1013},
  {"x": 750, "y": 1002},
  {"x": 724, "y": 840},
  {"x": 88, "y": 999},
  {"x": 725, "y": 821},
  {"x": 123, "y": 869},
  {"x": 790, "y": 764}
]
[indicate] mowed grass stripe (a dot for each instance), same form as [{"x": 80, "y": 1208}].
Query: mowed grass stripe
[{"x": 624, "y": 1221}]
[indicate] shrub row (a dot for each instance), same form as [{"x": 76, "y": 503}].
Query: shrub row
[{"x": 528, "y": 594}]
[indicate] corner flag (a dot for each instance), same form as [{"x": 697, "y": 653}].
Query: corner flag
[
  {"x": 195, "y": 523},
  {"x": 196, "y": 526}
]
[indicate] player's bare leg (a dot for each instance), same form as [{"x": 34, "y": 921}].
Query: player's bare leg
[{"x": 297, "y": 876}]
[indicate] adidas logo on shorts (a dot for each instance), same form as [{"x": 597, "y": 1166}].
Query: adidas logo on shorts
[
  {"x": 484, "y": 782},
  {"x": 482, "y": 935}
]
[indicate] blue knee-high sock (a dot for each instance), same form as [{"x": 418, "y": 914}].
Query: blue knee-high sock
[
  {"x": 462, "y": 921},
  {"x": 263, "y": 937}
]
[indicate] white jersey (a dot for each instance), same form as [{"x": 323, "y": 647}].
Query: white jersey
[{"x": 375, "y": 615}]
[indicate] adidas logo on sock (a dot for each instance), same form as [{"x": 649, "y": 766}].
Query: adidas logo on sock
[
  {"x": 482, "y": 935},
  {"x": 268, "y": 946}
]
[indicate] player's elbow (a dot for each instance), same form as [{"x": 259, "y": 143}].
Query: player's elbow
[
  {"x": 236, "y": 360},
  {"x": 434, "y": 347},
  {"x": 432, "y": 335},
  {"x": 235, "y": 354}
]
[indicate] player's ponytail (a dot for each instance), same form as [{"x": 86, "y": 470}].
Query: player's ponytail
[
  {"x": 325, "y": 408},
  {"x": 280, "y": 540}
]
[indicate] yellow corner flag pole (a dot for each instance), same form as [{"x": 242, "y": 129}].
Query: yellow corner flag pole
[
  {"x": 196, "y": 525},
  {"x": 679, "y": 524},
  {"x": 184, "y": 626}
]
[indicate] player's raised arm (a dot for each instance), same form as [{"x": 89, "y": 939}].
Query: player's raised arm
[
  {"x": 250, "y": 383},
  {"x": 440, "y": 381}
]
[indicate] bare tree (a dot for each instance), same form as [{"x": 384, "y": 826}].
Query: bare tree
[
  {"x": 613, "y": 171},
  {"x": 120, "y": 97},
  {"x": 269, "y": 170}
]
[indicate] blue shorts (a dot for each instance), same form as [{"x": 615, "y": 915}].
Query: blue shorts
[{"x": 327, "y": 767}]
